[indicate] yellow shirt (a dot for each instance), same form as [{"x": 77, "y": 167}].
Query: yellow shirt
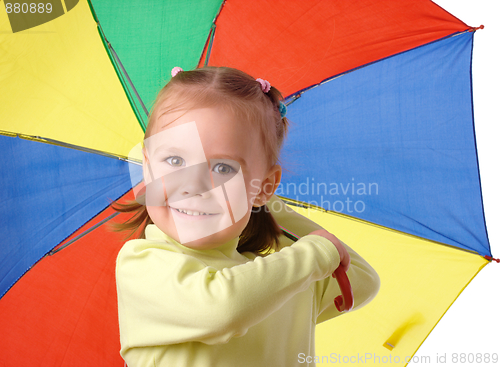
[{"x": 183, "y": 307}]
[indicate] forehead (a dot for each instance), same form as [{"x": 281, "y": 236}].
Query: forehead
[
  {"x": 214, "y": 123},
  {"x": 184, "y": 136},
  {"x": 216, "y": 129},
  {"x": 187, "y": 99}
]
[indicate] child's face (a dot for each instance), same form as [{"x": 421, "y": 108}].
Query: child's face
[{"x": 203, "y": 171}]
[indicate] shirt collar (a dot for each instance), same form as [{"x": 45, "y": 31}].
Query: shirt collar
[{"x": 228, "y": 249}]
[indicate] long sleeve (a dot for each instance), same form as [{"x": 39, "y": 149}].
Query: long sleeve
[
  {"x": 364, "y": 280},
  {"x": 166, "y": 296}
]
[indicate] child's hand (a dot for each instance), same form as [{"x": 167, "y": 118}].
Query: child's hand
[{"x": 345, "y": 259}]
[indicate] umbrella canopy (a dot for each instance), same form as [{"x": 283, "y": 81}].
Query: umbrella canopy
[{"x": 381, "y": 153}]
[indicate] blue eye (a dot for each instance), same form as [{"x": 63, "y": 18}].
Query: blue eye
[
  {"x": 223, "y": 169},
  {"x": 176, "y": 161}
]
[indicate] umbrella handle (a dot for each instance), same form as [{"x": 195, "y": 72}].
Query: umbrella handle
[{"x": 344, "y": 302}]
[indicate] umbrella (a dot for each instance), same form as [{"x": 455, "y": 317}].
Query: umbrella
[{"x": 382, "y": 153}]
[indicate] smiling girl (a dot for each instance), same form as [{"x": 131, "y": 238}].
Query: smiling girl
[{"x": 210, "y": 281}]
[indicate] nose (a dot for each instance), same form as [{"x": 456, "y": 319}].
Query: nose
[
  {"x": 179, "y": 185},
  {"x": 193, "y": 180}
]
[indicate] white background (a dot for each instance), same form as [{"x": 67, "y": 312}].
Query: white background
[{"x": 472, "y": 324}]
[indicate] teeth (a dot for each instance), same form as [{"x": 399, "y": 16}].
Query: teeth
[{"x": 189, "y": 212}]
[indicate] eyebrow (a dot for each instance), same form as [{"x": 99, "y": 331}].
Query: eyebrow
[{"x": 169, "y": 147}]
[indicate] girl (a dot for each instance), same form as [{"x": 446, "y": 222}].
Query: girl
[{"x": 200, "y": 287}]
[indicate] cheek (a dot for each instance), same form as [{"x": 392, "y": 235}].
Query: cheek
[
  {"x": 253, "y": 189},
  {"x": 156, "y": 193},
  {"x": 236, "y": 191},
  {"x": 157, "y": 169},
  {"x": 158, "y": 214},
  {"x": 162, "y": 218}
]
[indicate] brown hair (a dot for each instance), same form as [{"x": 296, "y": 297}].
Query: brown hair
[{"x": 242, "y": 95}]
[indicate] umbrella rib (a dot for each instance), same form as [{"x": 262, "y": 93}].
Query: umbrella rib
[
  {"x": 289, "y": 234},
  {"x": 56, "y": 250},
  {"x": 210, "y": 43},
  {"x": 211, "y": 36},
  {"x": 294, "y": 96},
  {"x": 116, "y": 59},
  {"x": 305, "y": 205},
  {"x": 71, "y": 146},
  {"x": 126, "y": 75}
]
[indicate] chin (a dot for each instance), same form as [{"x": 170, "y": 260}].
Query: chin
[{"x": 219, "y": 238}]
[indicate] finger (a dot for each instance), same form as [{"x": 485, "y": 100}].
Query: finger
[{"x": 346, "y": 261}]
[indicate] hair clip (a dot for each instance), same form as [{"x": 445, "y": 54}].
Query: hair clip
[
  {"x": 282, "y": 108},
  {"x": 176, "y": 70},
  {"x": 264, "y": 84}
]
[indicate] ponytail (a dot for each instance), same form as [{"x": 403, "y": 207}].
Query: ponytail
[
  {"x": 261, "y": 235},
  {"x": 136, "y": 224}
]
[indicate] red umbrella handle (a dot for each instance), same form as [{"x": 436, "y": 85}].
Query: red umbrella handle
[{"x": 344, "y": 302}]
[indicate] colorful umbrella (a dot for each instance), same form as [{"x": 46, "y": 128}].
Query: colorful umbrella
[{"x": 381, "y": 153}]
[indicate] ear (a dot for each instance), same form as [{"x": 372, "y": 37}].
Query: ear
[{"x": 269, "y": 186}]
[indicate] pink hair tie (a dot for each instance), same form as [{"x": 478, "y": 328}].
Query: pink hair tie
[
  {"x": 176, "y": 70},
  {"x": 264, "y": 84}
]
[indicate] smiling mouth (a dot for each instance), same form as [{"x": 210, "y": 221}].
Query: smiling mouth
[{"x": 192, "y": 212}]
